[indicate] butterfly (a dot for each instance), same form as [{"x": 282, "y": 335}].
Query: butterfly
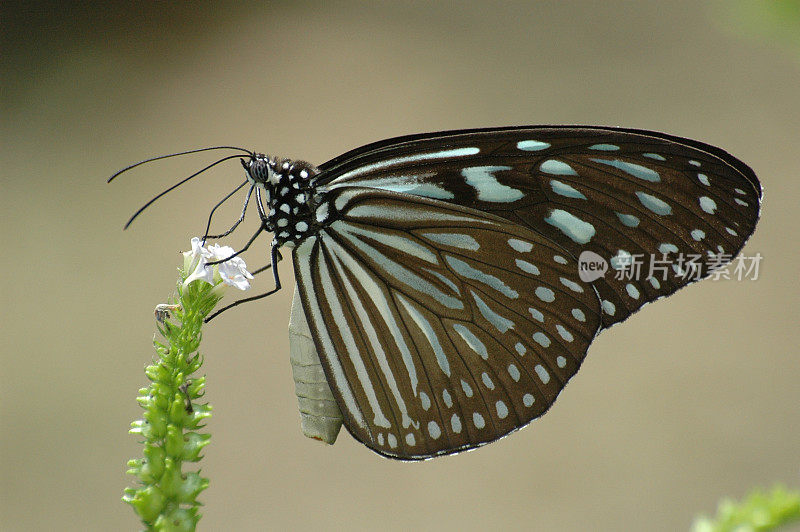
[{"x": 441, "y": 277}]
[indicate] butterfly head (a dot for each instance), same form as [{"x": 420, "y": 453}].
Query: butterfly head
[
  {"x": 259, "y": 168},
  {"x": 287, "y": 188}
]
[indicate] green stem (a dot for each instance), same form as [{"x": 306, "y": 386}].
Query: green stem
[{"x": 166, "y": 497}]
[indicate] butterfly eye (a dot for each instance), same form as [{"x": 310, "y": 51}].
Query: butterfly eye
[{"x": 258, "y": 170}]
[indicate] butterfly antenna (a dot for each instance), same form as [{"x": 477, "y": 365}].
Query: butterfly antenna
[
  {"x": 110, "y": 179},
  {"x": 173, "y": 187}
]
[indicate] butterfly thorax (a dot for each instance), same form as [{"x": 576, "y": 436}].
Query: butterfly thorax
[{"x": 288, "y": 191}]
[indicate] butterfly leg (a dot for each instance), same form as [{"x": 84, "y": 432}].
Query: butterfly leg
[
  {"x": 267, "y": 267},
  {"x": 274, "y": 254},
  {"x": 241, "y": 216},
  {"x": 245, "y": 248}
]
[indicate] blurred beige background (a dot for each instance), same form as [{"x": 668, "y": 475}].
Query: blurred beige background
[{"x": 693, "y": 399}]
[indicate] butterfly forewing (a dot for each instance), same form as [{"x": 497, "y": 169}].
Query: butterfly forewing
[
  {"x": 440, "y": 328},
  {"x": 671, "y": 207}
]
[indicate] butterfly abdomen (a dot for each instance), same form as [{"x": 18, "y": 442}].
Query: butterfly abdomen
[{"x": 320, "y": 417}]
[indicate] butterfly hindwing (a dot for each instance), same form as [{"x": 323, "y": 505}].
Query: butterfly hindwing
[
  {"x": 440, "y": 328},
  {"x": 676, "y": 207}
]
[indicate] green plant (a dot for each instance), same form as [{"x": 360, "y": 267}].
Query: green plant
[{"x": 171, "y": 426}]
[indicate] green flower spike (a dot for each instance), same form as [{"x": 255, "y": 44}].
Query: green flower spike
[
  {"x": 759, "y": 511},
  {"x": 170, "y": 429}
]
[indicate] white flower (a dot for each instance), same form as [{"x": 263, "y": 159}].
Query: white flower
[{"x": 232, "y": 272}]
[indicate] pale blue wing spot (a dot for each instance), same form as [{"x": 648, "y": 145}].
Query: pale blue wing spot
[
  {"x": 655, "y": 156},
  {"x": 456, "y": 240},
  {"x": 698, "y": 234},
  {"x": 572, "y": 285},
  {"x": 472, "y": 341},
  {"x": 425, "y": 400},
  {"x": 703, "y": 178},
  {"x": 545, "y": 294},
  {"x": 667, "y": 248},
  {"x": 563, "y": 189},
  {"x": 544, "y": 376},
  {"x": 528, "y": 400},
  {"x": 541, "y": 339},
  {"x": 520, "y": 245},
  {"x": 564, "y": 333},
  {"x": 708, "y": 204},
  {"x": 578, "y": 314},
  {"x": 487, "y": 186},
  {"x": 427, "y": 190},
  {"x": 465, "y": 270},
  {"x": 609, "y": 307},
  {"x": 551, "y": 166},
  {"x": 450, "y": 284},
  {"x": 532, "y": 145},
  {"x": 527, "y": 267},
  {"x": 604, "y": 147},
  {"x": 447, "y": 399},
  {"x": 455, "y": 422},
  {"x": 632, "y": 290},
  {"x": 502, "y": 409},
  {"x": 538, "y": 316},
  {"x": 636, "y": 170},
  {"x": 654, "y": 204},
  {"x": 576, "y": 229},
  {"x": 501, "y": 323},
  {"x": 628, "y": 220},
  {"x": 444, "y": 154}
]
